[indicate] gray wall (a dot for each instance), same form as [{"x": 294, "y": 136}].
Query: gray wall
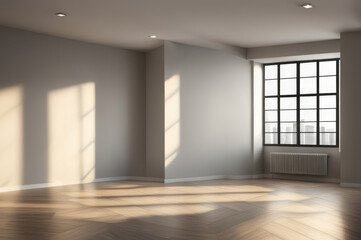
[
  {"x": 72, "y": 111},
  {"x": 350, "y": 110},
  {"x": 208, "y": 96},
  {"x": 155, "y": 113}
]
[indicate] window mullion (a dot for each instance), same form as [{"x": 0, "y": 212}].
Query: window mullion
[
  {"x": 318, "y": 105},
  {"x": 279, "y": 103},
  {"x": 337, "y": 102},
  {"x": 298, "y": 105},
  {"x": 264, "y": 104}
]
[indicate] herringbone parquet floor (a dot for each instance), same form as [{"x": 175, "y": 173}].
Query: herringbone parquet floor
[{"x": 220, "y": 209}]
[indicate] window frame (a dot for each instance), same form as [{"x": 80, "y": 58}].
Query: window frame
[{"x": 298, "y": 109}]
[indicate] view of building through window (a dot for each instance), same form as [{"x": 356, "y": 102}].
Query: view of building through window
[{"x": 301, "y": 103}]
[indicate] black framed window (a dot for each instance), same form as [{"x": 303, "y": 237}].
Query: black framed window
[{"x": 301, "y": 101}]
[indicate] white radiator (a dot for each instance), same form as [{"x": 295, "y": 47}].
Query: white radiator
[{"x": 299, "y": 163}]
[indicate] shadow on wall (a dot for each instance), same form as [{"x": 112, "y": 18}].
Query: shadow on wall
[
  {"x": 11, "y": 136},
  {"x": 71, "y": 134},
  {"x": 172, "y": 119}
]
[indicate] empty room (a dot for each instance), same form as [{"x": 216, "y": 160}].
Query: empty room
[{"x": 177, "y": 119}]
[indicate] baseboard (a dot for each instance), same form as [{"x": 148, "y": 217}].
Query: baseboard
[
  {"x": 130, "y": 178},
  {"x": 304, "y": 178},
  {"x": 33, "y": 186},
  {"x": 351, "y": 185},
  {"x": 217, "y": 177},
  {"x": 193, "y": 179},
  {"x": 110, "y": 179},
  {"x": 177, "y": 180},
  {"x": 267, "y": 176},
  {"x": 145, "y": 179}
]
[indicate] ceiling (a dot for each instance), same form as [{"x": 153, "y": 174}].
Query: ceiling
[{"x": 127, "y": 23}]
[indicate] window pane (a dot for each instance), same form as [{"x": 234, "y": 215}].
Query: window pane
[
  {"x": 327, "y": 126},
  {"x": 270, "y": 103},
  {"x": 308, "y": 102},
  {"x": 271, "y": 116},
  {"x": 271, "y": 138},
  {"x": 308, "y": 85},
  {"x": 308, "y": 115},
  {"x": 308, "y": 127},
  {"x": 308, "y": 138},
  {"x": 289, "y": 127},
  {"x": 270, "y": 71},
  {"x": 271, "y": 127},
  {"x": 288, "y": 116},
  {"x": 327, "y": 138},
  {"x": 271, "y": 88},
  {"x": 328, "y": 101},
  {"x": 288, "y": 103},
  {"x": 288, "y": 86},
  {"x": 328, "y": 115},
  {"x": 328, "y": 68},
  {"x": 288, "y": 70},
  {"x": 327, "y": 84},
  {"x": 308, "y": 69},
  {"x": 288, "y": 138},
  {"x": 315, "y": 106}
]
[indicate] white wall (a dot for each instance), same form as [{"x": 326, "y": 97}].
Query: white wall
[
  {"x": 296, "y": 52},
  {"x": 69, "y": 111},
  {"x": 155, "y": 113},
  {"x": 208, "y": 113},
  {"x": 350, "y": 110}
]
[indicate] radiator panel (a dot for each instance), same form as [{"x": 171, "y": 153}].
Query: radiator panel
[{"x": 299, "y": 163}]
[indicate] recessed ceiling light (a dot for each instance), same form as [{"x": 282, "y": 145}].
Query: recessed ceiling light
[
  {"x": 152, "y": 36},
  {"x": 307, "y": 6},
  {"x": 60, "y": 14}
]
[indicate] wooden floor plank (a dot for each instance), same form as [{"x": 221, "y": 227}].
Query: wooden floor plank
[
  {"x": 304, "y": 229},
  {"x": 218, "y": 209},
  {"x": 284, "y": 232}
]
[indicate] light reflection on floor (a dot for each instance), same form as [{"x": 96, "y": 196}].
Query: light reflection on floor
[{"x": 227, "y": 209}]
